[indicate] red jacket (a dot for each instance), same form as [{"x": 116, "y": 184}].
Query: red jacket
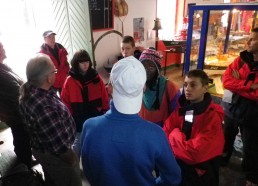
[
  {"x": 62, "y": 67},
  {"x": 206, "y": 140},
  {"x": 241, "y": 86},
  {"x": 85, "y": 97},
  {"x": 167, "y": 105}
]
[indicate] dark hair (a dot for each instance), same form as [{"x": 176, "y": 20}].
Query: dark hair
[
  {"x": 199, "y": 74},
  {"x": 79, "y": 56},
  {"x": 128, "y": 39},
  {"x": 255, "y": 30}
]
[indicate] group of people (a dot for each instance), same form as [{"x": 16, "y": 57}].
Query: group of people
[{"x": 149, "y": 133}]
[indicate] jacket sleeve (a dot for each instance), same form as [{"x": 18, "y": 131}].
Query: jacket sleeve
[
  {"x": 65, "y": 95},
  {"x": 206, "y": 142},
  {"x": 171, "y": 123},
  {"x": 173, "y": 93},
  {"x": 105, "y": 100},
  {"x": 234, "y": 84},
  {"x": 170, "y": 172},
  {"x": 238, "y": 85}
]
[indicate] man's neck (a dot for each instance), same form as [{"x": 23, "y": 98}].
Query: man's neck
[{"x": 51, "y": 46}]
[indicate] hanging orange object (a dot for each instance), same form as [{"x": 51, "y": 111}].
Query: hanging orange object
[{"x": 121, "y": 8}]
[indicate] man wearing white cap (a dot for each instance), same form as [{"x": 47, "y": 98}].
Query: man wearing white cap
[
  {"x": 58, "y": 55},
  {"x": 120, "y": 148}
]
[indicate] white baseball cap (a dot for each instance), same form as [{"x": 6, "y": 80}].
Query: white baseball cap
[
  {"x": 48, "y": 33},
  {"x": 128, "y": 78}
]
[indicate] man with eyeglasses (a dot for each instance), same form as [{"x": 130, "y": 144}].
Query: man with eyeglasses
[
  {"x": 58, "y": 55},
  {"x": 50, "y": 124}
]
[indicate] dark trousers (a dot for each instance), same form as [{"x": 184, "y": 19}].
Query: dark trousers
[
  {"x": 231, "y": 129},
  {"x": 250, "y": 156},
  {"x": 202, "y": 174},
  {"x": 57, "y": 172},
  {"x": 21, "y": 142}
]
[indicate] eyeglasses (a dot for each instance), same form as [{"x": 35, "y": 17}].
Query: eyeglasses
[{"x": 53, "y": 72}]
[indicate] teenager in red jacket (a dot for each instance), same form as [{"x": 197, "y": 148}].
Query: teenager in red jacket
[
  {"x": 58, "y": 55},
  {"x": 195, "y": 132},
  {"x": 84, "y": 93}
]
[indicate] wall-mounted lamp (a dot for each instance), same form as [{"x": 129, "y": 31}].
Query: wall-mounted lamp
[{"x": 157, "y": 27}]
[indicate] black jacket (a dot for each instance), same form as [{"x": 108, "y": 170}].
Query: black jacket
[{"x": 9, "y": 95}]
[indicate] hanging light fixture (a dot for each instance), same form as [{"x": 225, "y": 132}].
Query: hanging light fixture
[
  {"x": 157, "y": 27},
  {"x": 157, "y": 24}
]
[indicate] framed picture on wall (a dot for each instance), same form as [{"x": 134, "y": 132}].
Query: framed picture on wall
[
  {"x": 138, "y": 29},
  {"x": 102, "y": 15}
]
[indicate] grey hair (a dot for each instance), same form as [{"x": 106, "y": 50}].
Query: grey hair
[{"x": 37, "y": 69}]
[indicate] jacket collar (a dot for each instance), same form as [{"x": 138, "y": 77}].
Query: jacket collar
[{"x": 198, "y": 108}]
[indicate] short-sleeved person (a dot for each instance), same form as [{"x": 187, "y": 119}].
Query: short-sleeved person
[
  {"x": 50, "y": 124},
  {"x": 161, "y": 94},
  {"x": 58, "y": 56},
  {"x": 9, "y": 110},
  {"x": 84, "y": 93},
  {"x": 195, "y": 132},
  {"x": 119, "y": 147}
]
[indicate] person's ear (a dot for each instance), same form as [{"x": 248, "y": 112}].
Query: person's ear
[
  {"x": 49, "y": 79},
  {"x": 144, "y": 88},
  {"x": 206, "y": 88}
]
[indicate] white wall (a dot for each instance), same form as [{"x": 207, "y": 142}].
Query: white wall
[{"x": 109, "y": 46}]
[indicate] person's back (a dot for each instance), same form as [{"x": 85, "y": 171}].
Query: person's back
[
  {"x": 120, "y": 148},
  {"x": 9, "y": 110}
]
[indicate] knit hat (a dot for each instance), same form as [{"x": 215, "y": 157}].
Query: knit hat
[
  {"x": 151, "y": 55},
  {"x": 128, "y": 77}
]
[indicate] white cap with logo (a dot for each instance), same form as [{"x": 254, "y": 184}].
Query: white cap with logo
[{"x": 128, "y": 78}]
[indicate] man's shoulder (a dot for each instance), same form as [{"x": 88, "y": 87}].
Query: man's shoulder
[{"x": 151, "y": 128}]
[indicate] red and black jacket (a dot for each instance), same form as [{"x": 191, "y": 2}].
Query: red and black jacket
[
  {"x": 85, "y": 96},
  {"x": 61, "y": 63},
  {"x": 206, "y": 138},
  {"x": 248, "y": 73}
]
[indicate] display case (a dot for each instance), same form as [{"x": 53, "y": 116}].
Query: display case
[{"x": 216, "y": 35}]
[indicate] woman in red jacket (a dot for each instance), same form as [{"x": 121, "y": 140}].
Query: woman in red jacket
[
  {"x": 195, "y": 132},
  {"x": 84, "y": 93}
]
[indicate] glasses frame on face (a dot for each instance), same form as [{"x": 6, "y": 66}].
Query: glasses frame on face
[{"x": 53, "y": 72}]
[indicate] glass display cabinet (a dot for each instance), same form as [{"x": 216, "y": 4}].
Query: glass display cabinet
[{"x": 216, "y": 35}]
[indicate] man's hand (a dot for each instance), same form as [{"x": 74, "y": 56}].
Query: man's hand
[
  {"x": 235, "y": 74},
  {"x": 254, "y": 86},
  {"x": 69, "y": 157}
]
